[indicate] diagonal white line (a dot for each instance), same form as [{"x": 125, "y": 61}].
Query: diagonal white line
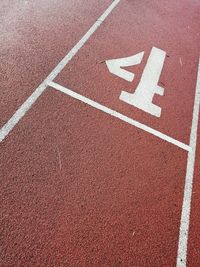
[
  {"x": 119, "y": 116},
  {"x": 185, "y": 216},
  {"x": 18, "y": 115}
]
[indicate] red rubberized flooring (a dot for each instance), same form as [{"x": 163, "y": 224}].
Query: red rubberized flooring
[{"x": 78, "y": 185}]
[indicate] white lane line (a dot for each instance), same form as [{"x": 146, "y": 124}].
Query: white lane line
[
  {"x": 185, "y": 216},
  {"x": 119, "y": 115},
  {"x": 5, "y": 130}
]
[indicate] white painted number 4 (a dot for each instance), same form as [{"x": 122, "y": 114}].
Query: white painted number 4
[{"x": 148, "y": 86}]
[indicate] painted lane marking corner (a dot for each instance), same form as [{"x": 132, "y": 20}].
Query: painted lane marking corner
[
  {"x": 24, "y": 108},
  {"x": 118, "y": 115},
  {"x": 186, "y": 207}
]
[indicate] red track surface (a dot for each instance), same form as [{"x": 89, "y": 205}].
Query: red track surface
[
  {"x": 79, "y": 187},
  {"x": 35, "y": 36}
]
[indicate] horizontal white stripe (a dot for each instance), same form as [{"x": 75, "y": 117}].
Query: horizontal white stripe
[{"x": 119, "y": 115}]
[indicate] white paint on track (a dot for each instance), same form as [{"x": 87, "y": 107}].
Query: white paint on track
[
  {"x": 23, "y": 109},
  {"x": 115, "y": 66},
  {"x": 185, "y": 216},
  {"x": 148, "y": 86},
  {"x": 119, "y": 116},
  {"x": 18, "y": 115}
]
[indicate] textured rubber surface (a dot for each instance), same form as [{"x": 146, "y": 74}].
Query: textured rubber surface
[
  {"x": 77, "y": 186},
  {"x": 79, "y": 189},
  {"x": 34, "y": 37}
]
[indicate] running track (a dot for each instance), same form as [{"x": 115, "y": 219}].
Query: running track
[{"x": 86, "y": 178}]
